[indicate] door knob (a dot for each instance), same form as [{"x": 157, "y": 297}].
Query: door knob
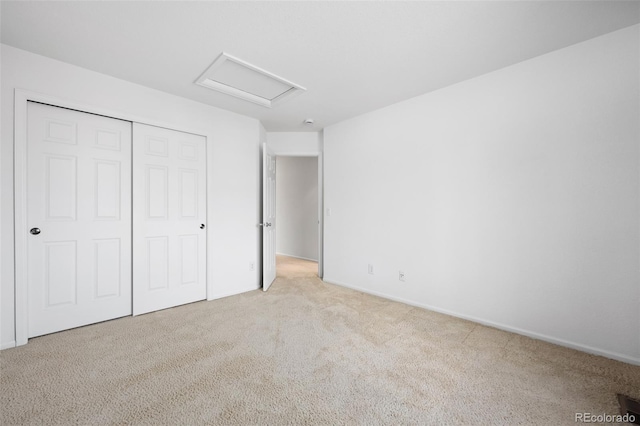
[
  {"x": 202, "y": 226},
  {"x": 34, "y": 231}
]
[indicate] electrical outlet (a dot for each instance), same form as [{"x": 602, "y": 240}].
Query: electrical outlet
[
  {"x": 252, "y": 266},
  {"x": 401, "y": 276},
  {"x": 370, "y": 269}
]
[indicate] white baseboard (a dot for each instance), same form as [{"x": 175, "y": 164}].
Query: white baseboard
[
  {"x": 560, "y": 342},
  {"x": 297, "y": 257},
  {"x": 233, "y": 292},
  {"x": 8, "y": 345}
]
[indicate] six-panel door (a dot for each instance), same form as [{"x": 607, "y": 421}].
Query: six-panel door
[
  {"x": 81, "y": 179},
  {"x": 169, "y": 212},
  {"x": 79, "y": 218}
]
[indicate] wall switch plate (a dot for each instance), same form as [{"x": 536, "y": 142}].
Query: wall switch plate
[
  {"x": 401, "y": 276},
  {"x": 328, "y": 212},
  {"x": 252, "y": 266},
  {"x": 370, "y": 269}
]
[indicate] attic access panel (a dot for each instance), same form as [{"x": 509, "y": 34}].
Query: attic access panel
[{"x": 243, "y": 80}]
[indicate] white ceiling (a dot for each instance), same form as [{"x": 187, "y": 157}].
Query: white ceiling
[{"x": 353, "y": 57}]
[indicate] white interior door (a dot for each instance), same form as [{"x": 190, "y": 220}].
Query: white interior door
[
  {"x": 78, "y": 217},
  {"x": 268, "y": 217},
  {"x": 169, "y": 211}
]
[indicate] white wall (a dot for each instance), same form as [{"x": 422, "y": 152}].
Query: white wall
[
  {"x": 297, "y": 207},
  {"x": 511, "y": 198},
  {"x": 294, "y": 143},
  {"x": 231, "y": 160}
]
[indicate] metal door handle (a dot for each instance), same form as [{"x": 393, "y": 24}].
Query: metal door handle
[
  {"x": 34, "y": 231},
  {"x": 202, "y": 226}
]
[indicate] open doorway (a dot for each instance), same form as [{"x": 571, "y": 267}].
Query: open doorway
[{"x": 298, "y": 196}]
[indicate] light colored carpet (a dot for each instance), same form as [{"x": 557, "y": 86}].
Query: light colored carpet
[{"x": 303, "y": 353}]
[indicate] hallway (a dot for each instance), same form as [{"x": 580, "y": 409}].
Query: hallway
[{"x": 293, "y": 267}]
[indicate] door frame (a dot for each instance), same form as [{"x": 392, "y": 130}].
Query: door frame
[
  {"x": 21, "y": 98},
  {"x": 319, "y": 156}
]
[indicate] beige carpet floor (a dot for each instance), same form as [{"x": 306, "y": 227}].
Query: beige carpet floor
[{"x": 303, "y": 353}]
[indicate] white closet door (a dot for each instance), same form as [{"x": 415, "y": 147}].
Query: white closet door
[
  {"x": 79, "y": 218},
  {"x": 169, "y": 211}
]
